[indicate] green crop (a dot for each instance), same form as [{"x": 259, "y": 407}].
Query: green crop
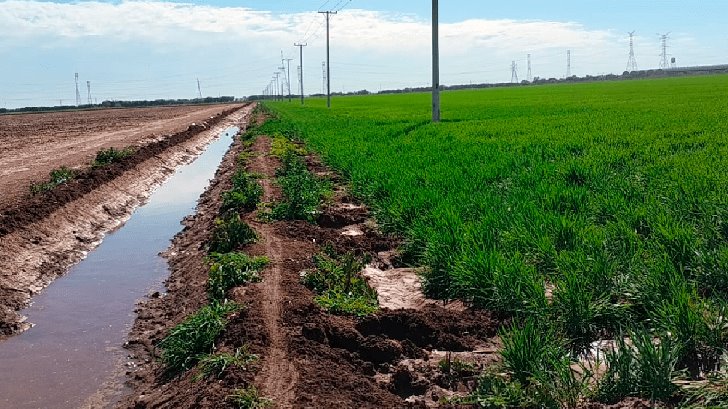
[{"x": 612, "y": 197}]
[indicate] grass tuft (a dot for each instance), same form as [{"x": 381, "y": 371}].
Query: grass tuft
[
  {"x": 249, "y": 398},
  {"x": 230, "y": 233},
  {"x": 340, "y": 287},
  {"x": 229, "y": 270},
  {"x": 194, "y": 338}
]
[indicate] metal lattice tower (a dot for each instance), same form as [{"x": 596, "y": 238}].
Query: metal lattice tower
[
  {"x": 568, "y": 63},
  {"x": 199, "y": 90},
  {"x": 514, "y": 73},
  {"x": 323, "y": 68},
  {"x": 78, "y": 94},
  {"x": 632, "y": 61},
  {"x": 664, "y": 64},
  {"x": 88, "y": 86},
  {"x": 529, "y": 76}
]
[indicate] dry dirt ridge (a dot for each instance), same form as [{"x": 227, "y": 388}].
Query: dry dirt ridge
[
  {"x": 308, "y": 357},
  {"x": 44, "y": 235}
]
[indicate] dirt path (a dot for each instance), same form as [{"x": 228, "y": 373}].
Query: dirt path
[{"x": 279, "y": 375}]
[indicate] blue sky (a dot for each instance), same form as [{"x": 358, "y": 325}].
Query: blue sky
[{"x": 151, "y": 49}]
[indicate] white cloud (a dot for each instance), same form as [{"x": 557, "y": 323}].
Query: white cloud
[{"x": 392, "y": 49}]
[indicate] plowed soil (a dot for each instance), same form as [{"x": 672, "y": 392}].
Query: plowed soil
[
  {"x": 31, "y": 145},
  {"x": 42, "y": 235}
]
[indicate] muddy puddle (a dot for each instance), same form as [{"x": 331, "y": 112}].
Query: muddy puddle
[{"x": 80, "y": 322}]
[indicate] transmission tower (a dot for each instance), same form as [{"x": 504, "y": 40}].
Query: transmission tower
[
  {"x": 568, "y": 63},
  {"x": 514, "y": 73},
  {"x": 632, "y": 61},
  {"x": 88, "y": 85},
  {"x": 663, "y": 56},
  {"x": 323, "y": 68},
  {"x": 199, "y": 90},
  {"x": 529, "y": 76},
  {"x": 78, "y": 94}
]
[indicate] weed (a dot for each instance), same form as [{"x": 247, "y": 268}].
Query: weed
[
  {"x": 111, "y": 155},
  {"x": 57, "y": 177},
  {"x": 249, "y": 398},
  {"x": 244, "y": 195},
  {"x": 216, "y": 364},
  {"x": 229, "y": 233},
  {"x": 529, "y": 351},
  {"x": 341, "y": 288},
  {"x": 229, "y": 270},
  {"x": 194, "y": 338},
  {"x": 303, "y": 192}
]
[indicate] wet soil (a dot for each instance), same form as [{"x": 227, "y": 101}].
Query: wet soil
[{"x": 43, "y": 236}]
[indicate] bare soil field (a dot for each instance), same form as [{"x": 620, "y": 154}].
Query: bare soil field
[
  {"x": 31, "y": 145},
  {"x": 42, "y": 235}
]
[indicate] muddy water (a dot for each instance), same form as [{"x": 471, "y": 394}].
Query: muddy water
[{"x": 81, "y": 320}]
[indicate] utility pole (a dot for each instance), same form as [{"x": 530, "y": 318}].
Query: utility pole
[
  {"x": 78, "y": 94},
  {"x": 529, "y": 76},
  {"x": 288, "y": 81},
  {"x": 277, "y": 74},
  {"x": 514, "y": 73},
  {"x": 631, "y": 61},
  {"x": 300, "y": 48},
  {"x": 88, "y": 85},
  {"x": 663, "y": 56},
  {"x": 568, "y": 63},
  {"x": 328, "y": 58},
  {"x": 199, "y": 90},
  {"x": 435, "y": 61}
]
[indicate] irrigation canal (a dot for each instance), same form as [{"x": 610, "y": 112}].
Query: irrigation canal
[{"x": 81, "y": 320}]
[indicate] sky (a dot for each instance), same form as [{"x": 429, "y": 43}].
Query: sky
[{"x": 159, "y": 49}]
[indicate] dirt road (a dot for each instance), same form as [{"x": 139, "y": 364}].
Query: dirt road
[{"x": 31, "y": 145}]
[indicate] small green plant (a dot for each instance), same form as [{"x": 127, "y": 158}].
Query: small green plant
[
  {"x": 56, "y": 177},
  {"x": 231, "y": 232},
  {"x": 341, "y": 288},
  {"x": 244, "y": 195},
  {"x": 643, "y": 367},
  {"x": 229, "y": 270},
  {"x": 455, "y": 370},
  {"x": 303, "y": 192},
  {"x": 111, "y": 155},
  {"x": 249, "y": 398},
  {"x": 194, "y": 338},
  {"x": 529, "y": 350},
  {"x": 499, "y": 391},
  {"x": 216, "y": 364}
]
